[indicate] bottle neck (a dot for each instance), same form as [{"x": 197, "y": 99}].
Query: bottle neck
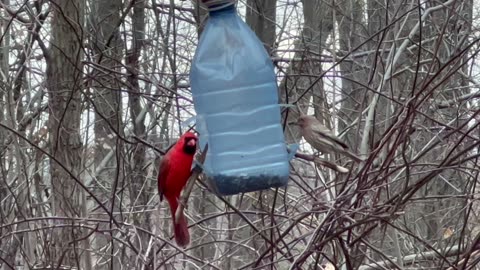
[{"x": 225, "y": 10}]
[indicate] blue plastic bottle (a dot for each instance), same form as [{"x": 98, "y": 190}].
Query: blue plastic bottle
[{"x": 236, "y": 99}]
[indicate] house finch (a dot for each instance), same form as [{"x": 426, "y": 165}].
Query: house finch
[
  {"x": 173, "y": 175},
  {"x": 323, "y": 139}
]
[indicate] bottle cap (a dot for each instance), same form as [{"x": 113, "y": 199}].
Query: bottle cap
[{"x": 213, "y": 5}]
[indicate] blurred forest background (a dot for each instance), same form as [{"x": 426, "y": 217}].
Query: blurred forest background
[{"x": 89, "y": 89}]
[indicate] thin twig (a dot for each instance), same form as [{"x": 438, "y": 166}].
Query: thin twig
[{"x": 322, "y": 162}]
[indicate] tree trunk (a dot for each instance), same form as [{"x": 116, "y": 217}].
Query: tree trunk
[
  {"x": 140, "y": 189},
  {"x": 64, "y": 77},
  {"x": 107, "y": 45},
  {"x": 261, "y": 17},
  {"x": 302, "y": 80}
]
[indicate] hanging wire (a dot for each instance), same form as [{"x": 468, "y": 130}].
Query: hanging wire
[{"x": 213, "y": 5}]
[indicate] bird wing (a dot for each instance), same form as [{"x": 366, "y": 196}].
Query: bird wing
[
  {"x": 162, "y": 176},
  {"x": 324, "y": 132}
]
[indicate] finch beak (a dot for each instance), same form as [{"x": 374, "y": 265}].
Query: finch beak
[{"x": 293, "y": 123}]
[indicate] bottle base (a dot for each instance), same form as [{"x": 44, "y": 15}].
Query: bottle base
[{"x": 230, "y": 185}]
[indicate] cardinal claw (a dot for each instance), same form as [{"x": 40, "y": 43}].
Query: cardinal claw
[{"x": 197, "y": 167}]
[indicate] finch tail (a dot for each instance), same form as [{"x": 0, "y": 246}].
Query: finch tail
[{"x": 180, "y": 228}]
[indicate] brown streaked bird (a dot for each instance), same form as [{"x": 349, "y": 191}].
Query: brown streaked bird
[{"x": 322, "y": 139}]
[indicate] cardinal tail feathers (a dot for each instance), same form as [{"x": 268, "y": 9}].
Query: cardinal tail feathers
[
  {"x": 180, "y": 228},
  {"x": 182, "y": 237}
]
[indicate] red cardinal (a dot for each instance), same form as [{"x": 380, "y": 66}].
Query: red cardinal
[{"x": 175, "y": 169}]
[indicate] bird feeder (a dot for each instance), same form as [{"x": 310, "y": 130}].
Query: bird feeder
[{"x": 235, "y": 95}]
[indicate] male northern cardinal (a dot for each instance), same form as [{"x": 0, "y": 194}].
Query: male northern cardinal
[
  {"x": 322, "y": 138},
  {"x": 175, "y": 169}
]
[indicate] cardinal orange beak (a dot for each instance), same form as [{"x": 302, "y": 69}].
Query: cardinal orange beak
[{"x": 192, "y": 142}]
